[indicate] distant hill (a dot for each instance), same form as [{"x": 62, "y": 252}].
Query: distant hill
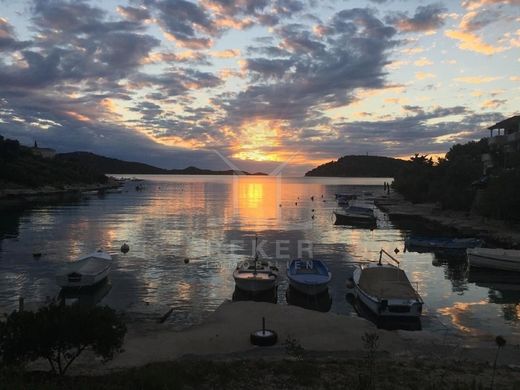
[
  {"x": 109, "y": 165},
  {"x": 25, "y": 167},
  {"x": 360, "y": 166}
]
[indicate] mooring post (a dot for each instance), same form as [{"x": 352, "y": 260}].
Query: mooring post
[
  {"x": 263, "y": 325},
  {"x": 20, "y": 304}
]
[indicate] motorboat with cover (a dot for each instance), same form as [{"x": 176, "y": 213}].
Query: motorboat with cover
[{"x": 386, "y": 290}]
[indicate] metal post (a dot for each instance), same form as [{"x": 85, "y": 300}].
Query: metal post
[
  {"x": 263, "y": 325},
  {"x": 20, "y": 304}
]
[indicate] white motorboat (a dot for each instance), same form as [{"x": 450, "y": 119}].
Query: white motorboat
[
  {"x": 502, "y": 259},
  {"x": 87, "y": 271},
  {"x": 357, "y": 213},
  {"x": 255, "y": 276},
  {"x": 386, "y": 290}
]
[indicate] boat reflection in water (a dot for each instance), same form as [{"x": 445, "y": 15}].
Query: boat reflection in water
[
  {"x": 504, "y": 286},
  {"x": 321, "y": 302},
  {"x": 86, "y": 296},
  {"x": 387, "y": 323},
  {"x": 270, "y": 296}
]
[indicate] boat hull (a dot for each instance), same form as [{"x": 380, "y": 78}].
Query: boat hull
[
  {"x": 492, "y": 260},
  {"x": 254, "y": 285},
  {"x": 309, "y": 289},
  {"x": 65, "y": 281},
  {"x": 352, "y": 219}
]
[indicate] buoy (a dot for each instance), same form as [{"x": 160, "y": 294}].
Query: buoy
[
  {"x": 312, "y": 216},
  {"x": 125, "y": 248},
  {"x": 37, "y": 255},
  {"x": 186, "y": 260},
  {"x": 313, "y": 210},
  {"x": 312, "y": 198},
  {"x": 280, "y": 205},
  {"x": 296, "y": 203}
]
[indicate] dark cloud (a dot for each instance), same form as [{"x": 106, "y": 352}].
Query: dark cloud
[
  {"x": 317, "y": 71},
  {"x": 187, "y": 23},
  {"x": 426, "y": 18},
  {"x": 8, "y": 40},
  {"x": 134, "y": 14}
]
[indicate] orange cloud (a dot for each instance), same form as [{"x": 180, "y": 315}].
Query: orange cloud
[
  {"x": 229, "y": 53},
  {"x": 476, "y": 79},
  {"x": 472, "y": 42},
  {"x": 424, "y": 75},
  {"x": 423, "y": 61},
  {"x": 474, "y": 4}
]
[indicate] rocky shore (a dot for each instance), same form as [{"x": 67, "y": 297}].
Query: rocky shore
[
  {"x": 10, "y": 197},
  {"x": 495, "y": 232}
]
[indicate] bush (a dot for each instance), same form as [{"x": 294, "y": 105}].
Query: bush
[{"x": 59, "y": 334}]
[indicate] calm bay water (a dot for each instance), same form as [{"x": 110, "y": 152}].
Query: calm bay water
[{"x": 212, "y": 222}]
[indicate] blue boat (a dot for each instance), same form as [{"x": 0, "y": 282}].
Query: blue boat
[
  {"x": 309, "y": 277},
  {"x": 440, "y": 244}
]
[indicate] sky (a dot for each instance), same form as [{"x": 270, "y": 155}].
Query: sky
[{"x": 176, "y": 83}]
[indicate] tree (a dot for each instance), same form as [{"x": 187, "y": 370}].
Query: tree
[{"x": 59, "y": 334}]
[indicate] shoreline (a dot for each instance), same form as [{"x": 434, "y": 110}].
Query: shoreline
[
  {"x": 493, "y": 231},
  {"x": 25, "y": 196}
]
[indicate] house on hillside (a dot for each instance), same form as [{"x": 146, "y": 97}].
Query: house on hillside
[
  {"x": 504, "y": 145},
  {"x": 43, "y": 152}
]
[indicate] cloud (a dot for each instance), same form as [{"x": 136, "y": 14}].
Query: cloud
[
  {"x": 476, "y": 79},
  {"x": 472, "y": 42},
  {"x": 424, "y": 75},
  {"x": 8, "y": 40},
  {"x": 423, "y": 61},
  {"x": 134, "y": 14},
  {"x": 313, "y": 73},
  {"x": 475, "y": 4},
  {"x": 494, "y": 103},
  {"x": 426, "y": 18}
]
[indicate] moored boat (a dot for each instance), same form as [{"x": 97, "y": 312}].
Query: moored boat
[
  {"x": 309, "y": 277},
  {"x": 386, "y": 290},
  {"x": 356, "y": 213},
  {"x": 87, "y": 271},
  {"x": 501, "y": 259},
  {"x": 255, "y": 276},
  {"x": 439, "y": 244}
]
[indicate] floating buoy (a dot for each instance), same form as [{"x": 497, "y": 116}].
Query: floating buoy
[
  {"x": 312, "y": 198},
  {"x": 125, "y": 248},
  {"x": 280, "y": 205},
  {"x": 313, "y": 210},
  {"x": 186, "y": 260},
  {"x": 37, "y": 255},
  {"x": 312, "y": 216}
]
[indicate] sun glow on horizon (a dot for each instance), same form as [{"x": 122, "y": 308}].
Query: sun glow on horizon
[{"x": 257, "y": 141}]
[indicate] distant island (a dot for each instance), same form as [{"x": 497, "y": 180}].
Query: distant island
[
  {"x": 360, "y": 166},
  {"x": 109, "y": 165}
]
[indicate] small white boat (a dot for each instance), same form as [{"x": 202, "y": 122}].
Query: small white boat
[
  {"x": 255, "y": 276},
  {"x": 386, "y": 290},
  {"x": 502, "y": 259},
  {"x": 87, "y": 271},
  {"x": 310, "y": 277},
  {"x": 357, "y": 213}
]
